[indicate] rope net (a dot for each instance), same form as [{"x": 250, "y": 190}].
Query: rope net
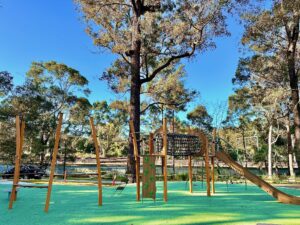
[{"x": 178, "y": 144}]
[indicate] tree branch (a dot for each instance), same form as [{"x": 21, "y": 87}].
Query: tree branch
[
  {"x": 125, "y": 59},
  {"x": 168, "y": 63},
  {"x": 149, "y": 106}
]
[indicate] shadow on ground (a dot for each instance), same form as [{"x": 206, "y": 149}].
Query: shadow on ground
[{"x": 76, "y": 205}]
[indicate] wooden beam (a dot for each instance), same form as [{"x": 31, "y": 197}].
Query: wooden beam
[
  {"x": 22, "y": 134},
  {"x": 151, "y": 144},
  {"x": 22, "y": 130},
  {"x": 213, "y": 174},
  {"x": 165, "y": 152},
  {"x": 213, "y": 149},
  {"x": 53, "y": 162},
  {"x": 204, "y": 143},
  {"x": 213, "y": 153},
  {"x": 17, "y": 163},
  {"x": 138, "y": 182},
  {"x": 137, "y": 161},
  {"x": 190, "y": 174},
  {"x": 97, "y": 150},
  {"x": 133, "y": 135}
]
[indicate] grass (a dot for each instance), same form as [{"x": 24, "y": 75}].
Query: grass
[{"x": 76, "y": 205}]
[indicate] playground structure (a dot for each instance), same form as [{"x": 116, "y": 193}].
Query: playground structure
[
  {"x": 265, "y": 186},
  {"x": 20, "y": 131},
  {"x": 192, "y": 145},
  {"x": 161, "y": 144}
]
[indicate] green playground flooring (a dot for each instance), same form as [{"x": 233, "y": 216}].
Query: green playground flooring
[{"x": 75, "y": 205}]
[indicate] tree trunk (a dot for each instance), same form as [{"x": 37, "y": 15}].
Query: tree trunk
[
  {"x": 292, "y": 30},
  {"x": 296, "y": 109},
  {"x": 270, "y": 152},
  {"x": 289, "y": 148},
  {"x": 266, "y": 165},
  {"x": 135, "y": 90},
  {"x": 135, "y": 116}
]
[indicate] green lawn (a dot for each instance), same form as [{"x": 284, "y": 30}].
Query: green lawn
[{"x": 75, "y": 205}]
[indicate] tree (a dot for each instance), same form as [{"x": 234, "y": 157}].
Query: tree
[
  {"x": 165, "y": 96},
  {"x": 276, "y": 32},
  {"x": 50, "y": 87},
  {"x": 111, "y": 120},
  {"x": 149, "y": 36},
  {"x": 59, "y": 83},
  {"x": 200, "y": 118},
  {"x": 263, "y": 78}
]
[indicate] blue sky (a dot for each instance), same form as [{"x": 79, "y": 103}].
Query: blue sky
[{"x": 45, "y": 30}]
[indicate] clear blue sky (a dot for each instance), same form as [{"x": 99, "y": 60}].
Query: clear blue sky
[{"x": 35, "y": 30}]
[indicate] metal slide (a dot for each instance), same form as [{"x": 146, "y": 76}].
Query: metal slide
[{"x": 279, "y": 195}]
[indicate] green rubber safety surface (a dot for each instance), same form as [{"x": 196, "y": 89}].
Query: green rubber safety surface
[{"x": 76, "y": 205}]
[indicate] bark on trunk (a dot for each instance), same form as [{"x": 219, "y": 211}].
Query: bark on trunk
[
  {"x": 296, "y": 107},
  {"x": 270, "y": 152},
  {"x": 292, "y": 31},
  {"x": 135, "y": 90},
  {"x": 135, "y": 116}
]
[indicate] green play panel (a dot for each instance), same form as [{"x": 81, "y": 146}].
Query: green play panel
[{"x": 75, "y": 205}]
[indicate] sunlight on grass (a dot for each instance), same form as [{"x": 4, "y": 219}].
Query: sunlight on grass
[
  {"x": 156, "y": 209},
  {"x": 97, "y": 220}
]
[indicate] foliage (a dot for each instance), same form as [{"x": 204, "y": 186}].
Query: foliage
[
  {"x": 5, "y": 83},
  {"x": 200, "y": 118},
  {"x": 50, "y": 87},
  {"x": 150, "y": 37}
]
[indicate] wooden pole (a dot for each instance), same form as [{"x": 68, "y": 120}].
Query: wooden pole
[
  {"x": 213, "y": 152},
  {"x": 138, "y": 182},
  {"x": 190, "y": 174},
  {"x": 165, "y": 152},
  {"x": 213, "y": 174},
  {"x": 204, "y": 143},
  {"x": 22, "y": 132},
  {"x": 207, "y": 168},
  {"x": 17, "y": 163},
  {"x": 22, "y": 137},
  {"x": 135, "y": 146},
  {"x": 53, "y": 162},
  {"x": 137, "y": 161},
  {"x": 97, "y": 150},
  {"x": 151, "y": 144}
]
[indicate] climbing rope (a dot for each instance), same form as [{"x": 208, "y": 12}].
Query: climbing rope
[{"x": 178, "y": 144}]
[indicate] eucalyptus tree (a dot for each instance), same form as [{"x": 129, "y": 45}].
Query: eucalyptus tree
[
  {"x": 166, "y": 95},
  {"x": 266, "y": 82},
  {"x": 49, "y": 88},
  {"x": 112, "y": 120},
  {"x": 149, "y": 36},
  {"x": 275, "y": 31},
  {"x": 200, "y": 118}
]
